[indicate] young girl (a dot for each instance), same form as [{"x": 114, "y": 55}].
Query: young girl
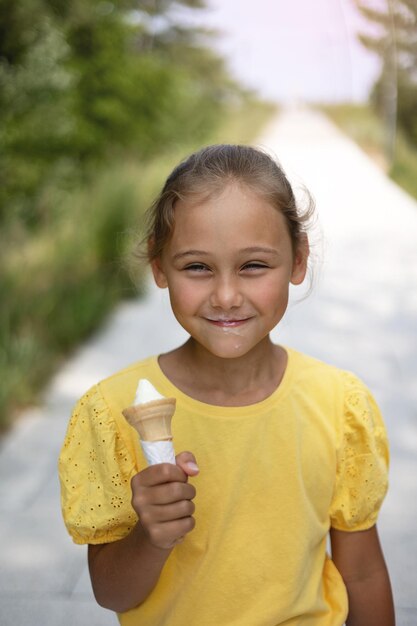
[{"x": 289, "y": 449}]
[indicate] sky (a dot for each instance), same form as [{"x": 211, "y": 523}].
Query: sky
[{"x": 295, "y": 49}]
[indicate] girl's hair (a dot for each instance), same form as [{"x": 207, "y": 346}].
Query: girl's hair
[{"x": 206, "y": 172}]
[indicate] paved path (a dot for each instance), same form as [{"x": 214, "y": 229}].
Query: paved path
[{"x": 362, "y": 315}]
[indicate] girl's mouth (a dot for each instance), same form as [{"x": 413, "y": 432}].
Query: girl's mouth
[{"x": 228, "y": 323}]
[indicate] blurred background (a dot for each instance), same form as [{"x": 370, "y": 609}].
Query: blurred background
[{"x": 98, "y": 101}]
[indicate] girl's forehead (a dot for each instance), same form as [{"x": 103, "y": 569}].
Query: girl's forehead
[{"x": 236, "y": 212}]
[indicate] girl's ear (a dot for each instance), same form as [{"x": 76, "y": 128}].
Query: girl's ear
[
  {"x": 156, "y": 265},
  {"x": 299, "y": 268},
  {"x": 158, "y": 273}
]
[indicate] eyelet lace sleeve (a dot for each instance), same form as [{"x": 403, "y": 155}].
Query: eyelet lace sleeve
[
  {"x": 95, "y": 469},
  {"x": 362, "y": 462}
]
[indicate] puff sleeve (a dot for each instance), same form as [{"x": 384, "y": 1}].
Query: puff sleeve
[
  {"x": 362, "y": 460},
  {"x": 95, "y": 468}
]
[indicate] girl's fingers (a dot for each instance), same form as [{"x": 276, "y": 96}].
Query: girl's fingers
[
  {"x": 167, "y": 472},
  {"x": 167, "y": 534},
  {"x": 187, "y": 462},
  {"x": 144, "y": 498},
  {"x": 168, "y": 512},
  {"x": 168, "y": 494},
  {"x": 159, "y": 474},
  {"x": 162, "y": 498}
]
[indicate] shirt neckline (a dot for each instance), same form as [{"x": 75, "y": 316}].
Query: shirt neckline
[{"x": 168, "y": 389}]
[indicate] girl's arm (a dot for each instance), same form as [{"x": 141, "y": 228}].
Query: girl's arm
[
  {"x": 123, "y": 573},
  {"x": 359, "y": 559}
]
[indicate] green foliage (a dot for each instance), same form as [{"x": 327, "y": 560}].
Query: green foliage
[
  {"x": 56, "y": 287},
  {"x": 84, "y": 82},
  {"x": 395, "y": 92},
  {"x": 407, "y": 106},
  {"x": 403, "y": 170},
  {"x": 35, "y": 125}
]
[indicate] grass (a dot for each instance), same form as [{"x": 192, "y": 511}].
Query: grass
[
  {"x": 404, "y": 168},
  {"x": 58, "y": 284},
  {"x": 362, "y": 124}
]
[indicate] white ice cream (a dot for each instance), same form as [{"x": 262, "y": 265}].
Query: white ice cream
[
  {"x": 146, "y": 392},
  {"x": 154, "y": 451}
]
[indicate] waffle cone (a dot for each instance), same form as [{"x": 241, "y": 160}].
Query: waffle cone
[{"x": 152, "y": 420}]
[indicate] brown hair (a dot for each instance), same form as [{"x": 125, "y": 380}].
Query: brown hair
[{"x": 206, "y": 172}]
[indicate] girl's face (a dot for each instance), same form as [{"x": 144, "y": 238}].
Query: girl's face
[{"x": 228, "y": 266}]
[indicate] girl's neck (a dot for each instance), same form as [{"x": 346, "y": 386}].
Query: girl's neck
[{"x": 225, "y": 382}]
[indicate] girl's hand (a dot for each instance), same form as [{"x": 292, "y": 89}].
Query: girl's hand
[{"x": 162, "y": 498}]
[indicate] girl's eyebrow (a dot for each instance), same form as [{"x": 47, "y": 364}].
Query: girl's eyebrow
[
  {"x": 181, "y": 255},
  {"x": 263, "y": 249}
]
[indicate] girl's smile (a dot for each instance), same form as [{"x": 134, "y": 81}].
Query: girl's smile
[
  {"x": 228, "y": 266},
  {"x": 229, "y": 323}
]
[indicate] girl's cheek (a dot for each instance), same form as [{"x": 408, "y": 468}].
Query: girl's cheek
[{"x": 186, "y": 292}]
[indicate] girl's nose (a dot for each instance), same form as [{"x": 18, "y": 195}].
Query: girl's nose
[{"x": 226, "y": 293}]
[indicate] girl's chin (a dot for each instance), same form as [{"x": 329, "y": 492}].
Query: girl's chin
[{"x": 231, "y": 348}]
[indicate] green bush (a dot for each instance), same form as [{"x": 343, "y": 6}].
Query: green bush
[{"x": 57, "y": 286}]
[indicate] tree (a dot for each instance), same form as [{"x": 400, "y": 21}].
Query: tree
[
  {"x": 85, "y": 81},
  {"x": 36, "y": 123},
  {"x": 395, "y": 92}
]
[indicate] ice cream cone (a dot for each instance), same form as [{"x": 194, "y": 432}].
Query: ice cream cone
[{"x": 152, "y": 420}]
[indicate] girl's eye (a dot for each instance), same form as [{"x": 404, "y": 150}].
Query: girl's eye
[
  {"x": 196, "y": 267},
  {"x": 255, "y": 265}
]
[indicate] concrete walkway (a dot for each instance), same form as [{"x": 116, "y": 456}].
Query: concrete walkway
[{"x": 362, "y": 315}]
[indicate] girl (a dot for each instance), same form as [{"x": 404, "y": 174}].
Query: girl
[{"x": 289, "y": 449}]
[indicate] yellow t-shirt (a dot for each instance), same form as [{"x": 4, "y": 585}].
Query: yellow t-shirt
[{"x": 274, "y": 476}]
